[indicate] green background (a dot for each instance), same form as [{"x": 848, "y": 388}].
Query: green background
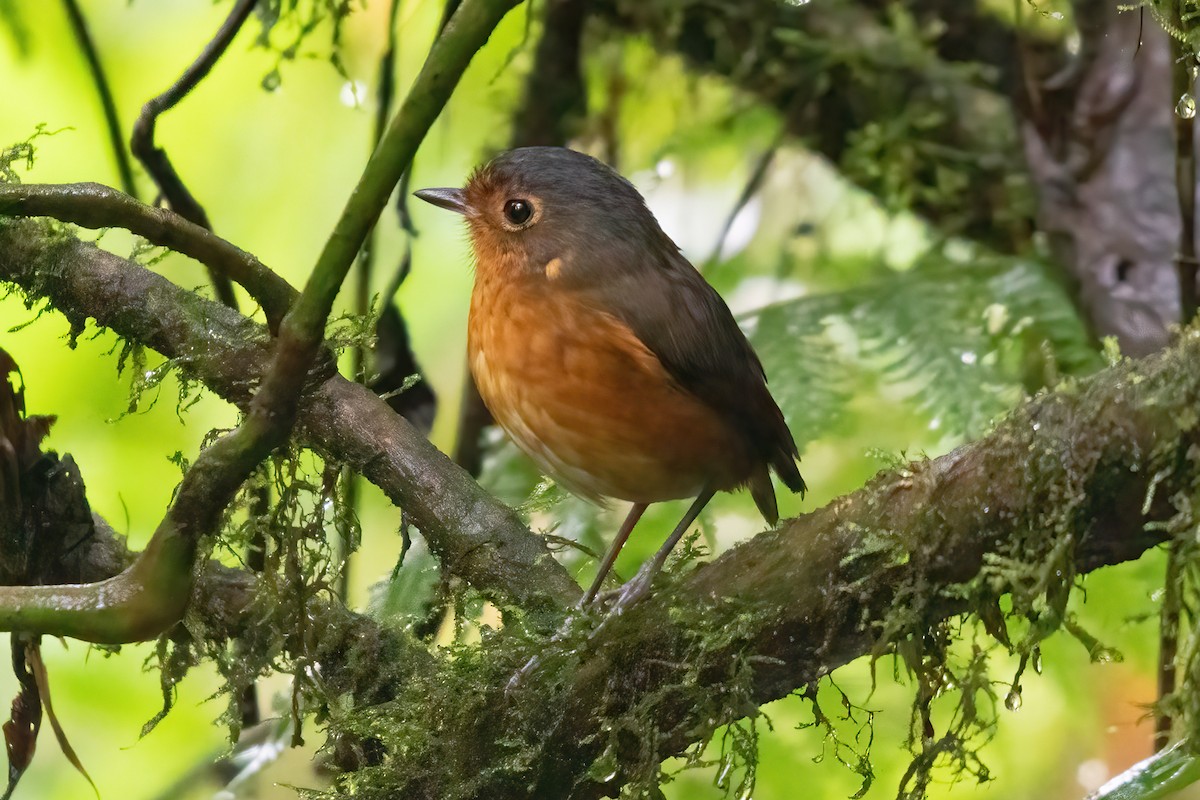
[{"x": 273, "y": 170}]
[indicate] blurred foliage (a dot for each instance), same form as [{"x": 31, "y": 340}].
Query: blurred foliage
[
  {"x": 287, "y": 24},
  {"x": 879, "y": 336},
  {"x": 954, "y": 335}
]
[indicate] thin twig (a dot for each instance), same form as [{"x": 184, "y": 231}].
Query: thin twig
[
  {"x": 1185, "y": 182},
  {"x": 116, "y": 141},
  {"x": 362, "y": 282},
  {"x": 1168, "y": 645},
  {"x": 155, "y": 159},
  {"x": 759, "y": 174},
  {"x": 159, "y": 166}
]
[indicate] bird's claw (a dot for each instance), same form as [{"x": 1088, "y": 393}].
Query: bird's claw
[
  {"x": 624, "y": 597},
  {"x": 514, "y": 682},
  {"x": 633, "y": 592},
  {"x": 619, "y": 601}
]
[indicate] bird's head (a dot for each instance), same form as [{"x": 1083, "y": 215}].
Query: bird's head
[{"x": 554, "y": 211}]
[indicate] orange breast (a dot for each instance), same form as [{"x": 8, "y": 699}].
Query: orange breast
[{"x": 587, "y": 401}]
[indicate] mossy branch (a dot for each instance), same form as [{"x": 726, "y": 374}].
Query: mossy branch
[
  {"x": 150, "y": 596},
  {"x": 478, "y": 538},
  {"x": 1097, "y": 468},
  {"x": 1092, "y": 470},
  {"x": 895, "y": 96},
  {"x": 95, "y": 206}
]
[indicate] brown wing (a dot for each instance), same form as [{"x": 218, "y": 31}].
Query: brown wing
[{"x": 687, "y": 325}]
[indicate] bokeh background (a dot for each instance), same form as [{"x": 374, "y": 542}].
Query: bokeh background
[{"x": 273, "y": 168}]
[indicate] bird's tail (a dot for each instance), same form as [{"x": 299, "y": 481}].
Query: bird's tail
[
  {"x": 763, "y": 491},
  {"x": 788, "y": 471},
  {"x": 764, "y": 495}
]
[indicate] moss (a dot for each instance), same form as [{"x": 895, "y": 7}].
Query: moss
[{"x": 1032, "y": 576}]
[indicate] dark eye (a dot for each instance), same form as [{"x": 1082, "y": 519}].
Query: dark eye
[{"x": 518, "y": 211}]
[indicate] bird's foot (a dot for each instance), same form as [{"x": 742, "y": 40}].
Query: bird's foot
[
  {"x": 629, "y": 594},
  {"x": 520, "y": 675},
  {"x": 618, "y": 600},
  {"x": 534, "y": 662},
  {"x": 634, "y": 590}
]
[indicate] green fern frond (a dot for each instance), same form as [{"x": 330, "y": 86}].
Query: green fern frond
[
  {"x": 951, "y": 334},
  {"x": 810, "y": 377}
]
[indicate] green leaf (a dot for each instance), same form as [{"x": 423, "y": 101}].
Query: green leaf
[{"x": 1161, "y": 775}]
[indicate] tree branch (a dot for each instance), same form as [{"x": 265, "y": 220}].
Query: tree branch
[
  {"x": 49, "y": 535},
  {"x": 154, "y": 158},
  {"x": 152, "y": 593},
  {"x": 477, "y": 537},
  {"x": 888, "y": 106},
  {"x": 1094, "y": 471},
  {"x": 92, "y": 205},
  {"x": 108, "y": 105}
]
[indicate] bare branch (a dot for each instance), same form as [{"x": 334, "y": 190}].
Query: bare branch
[{"x": 155, "y": 159}]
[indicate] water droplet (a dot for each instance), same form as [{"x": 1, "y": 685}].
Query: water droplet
[
  {"x": 604, "y": 768},
  {"x": 271, "y": 81},
  {"x": 1012, "y": 701},
  {"x": 1186, "y": 107},
  {"x": 353, "y": 94}
]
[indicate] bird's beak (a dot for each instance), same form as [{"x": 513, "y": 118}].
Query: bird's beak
[{"x": 449, "y": 199}]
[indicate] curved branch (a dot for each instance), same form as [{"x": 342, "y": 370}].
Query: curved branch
[
  {"x": 108, "y": 105},
  {"x": 154, "y": 158},
  {"x": 95, "y": 206},
  {"x": 476, "y": 536},
  {"x": 1094, "y": 466},
  {"x": 151, "y": 594},
  {"x": 1094, "y": 471}
]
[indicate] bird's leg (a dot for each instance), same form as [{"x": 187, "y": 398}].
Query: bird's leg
[
  {"x": 635, "y": 589},
  {"x": 631, "y": 519},
  {"x": 637, "y": 586},
  {"x": 635, "y": 513}
]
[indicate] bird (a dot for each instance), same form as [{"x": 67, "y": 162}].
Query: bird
[{"x": 603, "y": 352}]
